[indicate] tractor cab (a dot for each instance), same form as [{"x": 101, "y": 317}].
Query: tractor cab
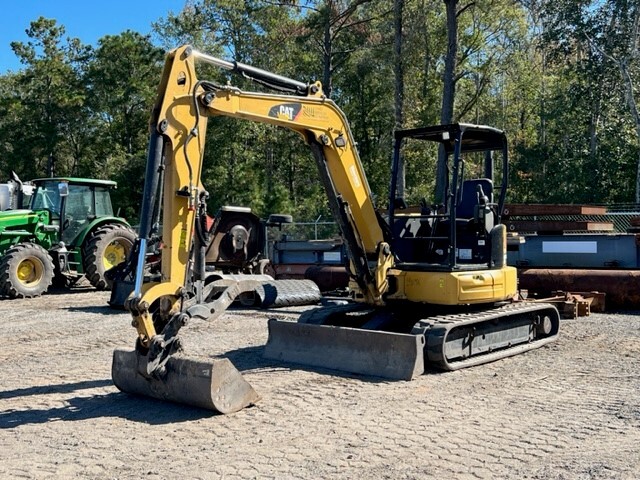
[{"x": 73, "y": 203}]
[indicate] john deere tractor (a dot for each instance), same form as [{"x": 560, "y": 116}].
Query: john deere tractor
[{"x": 68, "y": 231}]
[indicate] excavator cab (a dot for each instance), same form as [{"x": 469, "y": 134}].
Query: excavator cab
[
  {"x": 446, "y": 291},
  {"x": 463, "y": 230}
]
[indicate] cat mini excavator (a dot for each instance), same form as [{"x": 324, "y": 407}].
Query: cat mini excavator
[{"x": 428, "y": 285}]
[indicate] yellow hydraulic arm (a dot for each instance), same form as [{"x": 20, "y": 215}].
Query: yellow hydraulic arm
[{"x": 178, "y": 129}]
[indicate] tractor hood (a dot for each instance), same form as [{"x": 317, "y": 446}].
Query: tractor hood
[
  {"x": 12, "y": 219},
  {"x": 16, "y": 213}
]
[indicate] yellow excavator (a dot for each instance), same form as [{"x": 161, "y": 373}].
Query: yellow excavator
[{"x": 429, "y": 284}]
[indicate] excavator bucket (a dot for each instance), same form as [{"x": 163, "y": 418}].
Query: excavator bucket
[
  {"x": 213, "y": 385},
  {"x": 395, "y": 356}
]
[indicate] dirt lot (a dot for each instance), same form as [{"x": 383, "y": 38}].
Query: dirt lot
[{"x": 567, "y": 411}]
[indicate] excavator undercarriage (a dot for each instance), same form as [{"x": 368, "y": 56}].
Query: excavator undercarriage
[{"x": 398, "y": 343}]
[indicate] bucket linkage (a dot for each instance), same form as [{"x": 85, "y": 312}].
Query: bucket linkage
[{"x": 161, "y": 371}]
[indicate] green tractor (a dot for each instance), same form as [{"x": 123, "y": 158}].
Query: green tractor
[{"x": 68, "y": 231}]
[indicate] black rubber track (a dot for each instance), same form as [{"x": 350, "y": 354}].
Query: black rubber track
[{"x": 283, "y": 293}]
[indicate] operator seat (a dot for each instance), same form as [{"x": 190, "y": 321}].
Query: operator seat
[{"x": 475, "y": 192}]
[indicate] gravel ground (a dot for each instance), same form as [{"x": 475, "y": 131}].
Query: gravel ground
[{"x": 570, "y": 410}]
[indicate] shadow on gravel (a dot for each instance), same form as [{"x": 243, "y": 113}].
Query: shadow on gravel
[
  {"x": 70, "y": 290},
  {"x": 250, "y": 358},
  {"x": 55, "y": 292},
  {"x": 54, "y": 389},
  {"x": 115, "y": 404},
  {"x": 102, "y": 310}
]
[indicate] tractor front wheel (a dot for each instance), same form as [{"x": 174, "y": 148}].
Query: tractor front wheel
[
  {"x": 106, "y": 248},
  {"x": 26, "y": 270}
]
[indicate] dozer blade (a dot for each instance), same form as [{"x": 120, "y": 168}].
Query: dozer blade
[
  {"x": 214, "y": 385},
  {"x": 389, "y": 355}
]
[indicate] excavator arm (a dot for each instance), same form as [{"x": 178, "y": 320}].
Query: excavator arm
[
  {"x": 324, "y": 128},
  {"x": 174, "y": 167},
  {"x": 178, "y": 132}
]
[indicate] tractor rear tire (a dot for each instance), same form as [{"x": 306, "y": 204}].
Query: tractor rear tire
[
  {"x": 106, "y": 248},
  {"x": 26, "y": 271}
]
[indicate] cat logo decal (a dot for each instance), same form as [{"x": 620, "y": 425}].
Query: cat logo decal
[{"x": 286, "y": 111}]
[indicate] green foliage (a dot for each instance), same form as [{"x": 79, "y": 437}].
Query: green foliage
[
  {"x": 42, "y": 113},
  {"x": 586, "y": 145},
  {"x": 543, "y": 70},
  {"x": 121, "y": 81}
]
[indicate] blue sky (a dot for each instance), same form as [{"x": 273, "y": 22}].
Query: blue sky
[{"x": 87, "y": 20}]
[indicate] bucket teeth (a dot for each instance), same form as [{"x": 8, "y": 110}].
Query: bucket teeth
[{"x": 213, "y": 385}]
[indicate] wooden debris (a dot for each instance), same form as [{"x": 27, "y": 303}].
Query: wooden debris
[
  {"x": 596, "y": 299},
  {"x": 535, "y": 218},
  {"x": 557, "y": 226}
]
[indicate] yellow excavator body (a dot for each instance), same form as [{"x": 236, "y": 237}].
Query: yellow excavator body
[
  {"x": 400, "y": 275},
  {"x": 454, "y": 288}
]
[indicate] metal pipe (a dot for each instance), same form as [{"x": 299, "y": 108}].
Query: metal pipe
[
  {"x": 218, "y": 62},
  {"x": 621, "y": 287},
  {"x": 328, "y": 277},
  {"x": 152, "y": 175}
]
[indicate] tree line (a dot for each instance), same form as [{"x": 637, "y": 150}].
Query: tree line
[{"x": 557, "y": 75}]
